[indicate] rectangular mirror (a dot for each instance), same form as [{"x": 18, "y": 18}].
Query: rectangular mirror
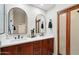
[{"x": 2, "y": 17}]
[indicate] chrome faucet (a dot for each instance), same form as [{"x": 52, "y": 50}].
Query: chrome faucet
[{"x": 18, "y": 36}]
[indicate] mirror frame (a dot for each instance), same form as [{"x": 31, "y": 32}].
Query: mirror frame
[{"x": 36, "y": 23}]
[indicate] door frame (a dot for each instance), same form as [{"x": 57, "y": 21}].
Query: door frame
[{"x": 68, "y": 16}]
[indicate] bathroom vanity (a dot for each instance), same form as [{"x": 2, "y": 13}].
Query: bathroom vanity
[
  {"x": 25, "y": 32},
  {"x": 34, "y": 46}
]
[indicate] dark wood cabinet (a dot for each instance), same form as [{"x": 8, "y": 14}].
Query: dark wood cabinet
[
  {"x": 37, "y": 47},
  {"x": 50, "y": 46},
  {"x": 12, "y": 50},
  {"x": 25, "y": 49},
  {"x": 41, "y": 47},
  {"x": 0, "y": 51},
  {"x": 45, "y": 47}
]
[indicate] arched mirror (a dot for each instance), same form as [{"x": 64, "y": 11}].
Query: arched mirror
[
  {"x": 40, "y": 24},
  {"x": 17, "y": 21}
]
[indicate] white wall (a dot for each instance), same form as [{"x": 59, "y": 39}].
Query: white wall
[
  {"x": 52, "y": 14},
  {"x": 32, "y": 12}
]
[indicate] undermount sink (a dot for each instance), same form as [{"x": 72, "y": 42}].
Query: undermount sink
[{"x": 10, "y": 41}]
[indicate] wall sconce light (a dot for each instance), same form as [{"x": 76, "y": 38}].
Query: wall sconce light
[
  {"x": 14, "y": 28},
  {"x": 42, "y": 26},
  {"x": 50, "y": 24}
]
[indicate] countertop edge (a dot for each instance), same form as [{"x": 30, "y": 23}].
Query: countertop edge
[{"x": 26, "y": 41}]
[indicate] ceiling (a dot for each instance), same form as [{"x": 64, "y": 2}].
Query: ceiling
[{"x": 45, "y": 7}]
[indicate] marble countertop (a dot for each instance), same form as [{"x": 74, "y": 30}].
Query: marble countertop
[{"x": 10, "y": 42}]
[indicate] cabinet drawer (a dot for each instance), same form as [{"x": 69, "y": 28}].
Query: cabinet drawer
[{"x": 12, "y": 50}]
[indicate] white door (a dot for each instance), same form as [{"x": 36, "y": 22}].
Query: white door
[
  {"x": 74, "y": 41},
  {"x": 62, "y": 34}
]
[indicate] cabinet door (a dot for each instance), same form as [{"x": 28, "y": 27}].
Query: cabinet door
[
  {"x": 0, "y": 51},
  {"x": 9, "y": 50},
  {"x": 37, "y": 46},
  {"x": 75, "y": 32},
  {"x": 51, "y": 46},
  {"x": 45, "y": 47},
  {"x": 25, "y": 49}
]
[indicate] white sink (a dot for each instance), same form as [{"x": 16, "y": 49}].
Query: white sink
[{"x": 7, "y": 42}]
